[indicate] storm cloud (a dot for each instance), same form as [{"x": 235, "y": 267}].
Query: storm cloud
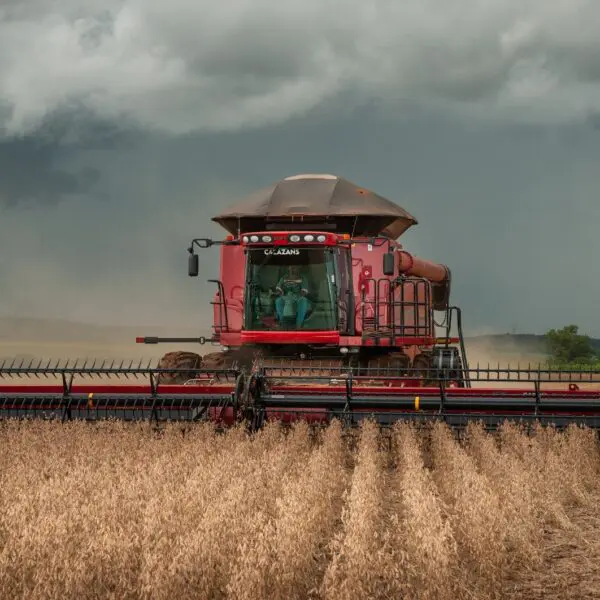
[
  {"x": 195, "y": 65},
  {"x": 29, "y": 174}
]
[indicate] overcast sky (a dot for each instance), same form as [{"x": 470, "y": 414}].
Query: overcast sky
[{"x": 125, "y": 125}]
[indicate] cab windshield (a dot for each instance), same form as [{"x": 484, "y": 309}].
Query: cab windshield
[{"x": 290, "y": 288}]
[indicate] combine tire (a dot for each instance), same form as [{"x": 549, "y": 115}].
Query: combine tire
[
  {"x": 423, "y": 369},
  {"x": 394, "y": 365},
  {"x": 240, "y": 358},
  {"x": 218, "y": 360},
  {"x": 430, "y": 375},
  {"x": 179, "y": 360}
]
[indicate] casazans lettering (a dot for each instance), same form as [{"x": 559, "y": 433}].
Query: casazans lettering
[{"x": 282, "y": 251}]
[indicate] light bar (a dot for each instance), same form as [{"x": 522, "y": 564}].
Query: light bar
[
  {"x": 307, "y": 237},
  {"x": 293, "y": 238}
]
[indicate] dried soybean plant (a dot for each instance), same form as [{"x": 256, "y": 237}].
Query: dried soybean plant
[{"x": 114, "y": 510}]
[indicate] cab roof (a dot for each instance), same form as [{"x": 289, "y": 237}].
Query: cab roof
[{"x": 323, "y": 201}]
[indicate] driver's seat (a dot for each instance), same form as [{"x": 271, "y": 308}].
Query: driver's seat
[
  {"x": 290, "y": 311},
  {"x": 320, "y": 316}
]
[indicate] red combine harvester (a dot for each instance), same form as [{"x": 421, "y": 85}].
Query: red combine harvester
[
  {"x": 320, "y": 313},
  {"x": 311, "y": 277}
]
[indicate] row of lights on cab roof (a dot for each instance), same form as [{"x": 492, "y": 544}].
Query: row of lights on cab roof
[{"x": 309, "y": 237}]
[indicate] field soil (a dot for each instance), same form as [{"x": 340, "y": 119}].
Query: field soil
[{"x": 115, "y": 510}]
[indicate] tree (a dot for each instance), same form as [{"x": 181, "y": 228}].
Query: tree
[{"x": 566, "y": 345}]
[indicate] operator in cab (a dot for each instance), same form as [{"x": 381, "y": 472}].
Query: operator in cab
[{"x": 292, "y": 301}]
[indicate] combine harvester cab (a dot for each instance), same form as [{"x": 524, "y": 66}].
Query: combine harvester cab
[{"x": 320, "y": 313}]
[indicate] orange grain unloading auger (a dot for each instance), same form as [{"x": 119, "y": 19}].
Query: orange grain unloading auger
[{"x": 320, "y": 313}]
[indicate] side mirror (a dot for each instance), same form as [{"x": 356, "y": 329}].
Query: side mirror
[
  {"x": 193, "y": 265},
  {"x": 388, "y": 264}
]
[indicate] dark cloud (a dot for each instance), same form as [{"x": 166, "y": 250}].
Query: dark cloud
[
  {"x": 206, "y": 66},
  {"x": 30, "y": 173},
  {"x": 44, "y": 166}
]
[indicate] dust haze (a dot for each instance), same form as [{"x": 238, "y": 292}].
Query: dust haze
[{"x": 492, "y": 351}]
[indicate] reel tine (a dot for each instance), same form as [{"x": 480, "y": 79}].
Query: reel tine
[
  {"x": 138, "y": 369},
  {"x": 96, "y": 369},
  {"x": 19, "y": 369}
]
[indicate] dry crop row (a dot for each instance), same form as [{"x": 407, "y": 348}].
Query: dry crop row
[{"x": 113, "y": 510}]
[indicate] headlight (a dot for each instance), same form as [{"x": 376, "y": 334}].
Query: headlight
[
  {"x": 294, "y": 238},
  {"x": 309, "y": 238},
  {"x": 267, "y": 238},
  {"x": 254, "y": 238},
  {"x": 245, "y": 239},
  {"x": 321, "y": 238}
]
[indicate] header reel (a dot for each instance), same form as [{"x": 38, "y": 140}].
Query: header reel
[{"x": 226, "y": 396}]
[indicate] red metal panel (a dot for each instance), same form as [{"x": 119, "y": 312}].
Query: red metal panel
[
  {"x": 232, "y": 276},
  {"x": 290, "y": 337},
  {"x": 232, "y": 340},
  {"x": 116, "y": 389},
  {"x": 395, "y": 386},
  {"x": 430, "y": 392}
]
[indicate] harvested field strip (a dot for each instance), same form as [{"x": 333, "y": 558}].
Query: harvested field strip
[{"x": 116, "y": 510}]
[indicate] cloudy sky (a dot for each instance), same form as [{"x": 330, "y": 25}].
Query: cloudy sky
[{"x": 125, "y": 125}]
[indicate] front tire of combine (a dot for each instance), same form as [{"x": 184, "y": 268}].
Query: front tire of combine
[
  {"x": 459, "y": 374},
  {"x": 392, "y": 365},
  {"x": 179, "y": 360},
  {"x": 423, "y": 366},
  {"x": 218, "y": 361}
]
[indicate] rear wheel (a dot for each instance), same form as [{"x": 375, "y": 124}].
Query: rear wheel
[{"x": 442, "y": 362}]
